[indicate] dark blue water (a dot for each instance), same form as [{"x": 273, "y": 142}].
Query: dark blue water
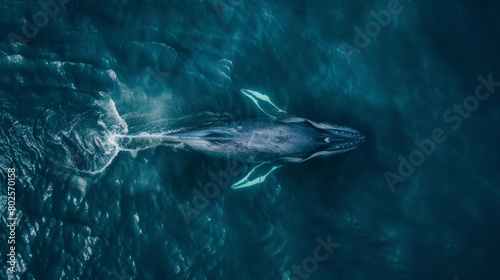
[{"x": 418, "y": 200}]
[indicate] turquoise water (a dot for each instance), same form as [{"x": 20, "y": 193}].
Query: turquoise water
[{"x": 418, "y": 200}]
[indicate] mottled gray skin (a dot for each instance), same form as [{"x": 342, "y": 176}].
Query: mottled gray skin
[{"x": 266, "y": 140}]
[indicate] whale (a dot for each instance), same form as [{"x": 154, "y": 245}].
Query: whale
[{"x": 269, "y": 142}]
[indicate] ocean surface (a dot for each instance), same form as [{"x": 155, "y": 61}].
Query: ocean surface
[{"x": 419, "y": 199}]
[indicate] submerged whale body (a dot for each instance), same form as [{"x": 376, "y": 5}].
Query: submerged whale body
[
  {"x": 265, "y": 140},
  {"x": 270, "y": 141}
]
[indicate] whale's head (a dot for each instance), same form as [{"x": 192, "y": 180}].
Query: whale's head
[
  {"x": 340, "y": 139},
  {"x": 329, "y": 139},
  {"x": 323, "y": 139}
]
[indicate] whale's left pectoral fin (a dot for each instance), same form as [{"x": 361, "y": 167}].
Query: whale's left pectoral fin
[
  {"x": 256, "y": 176},
  {"x": 267, "y": 107},
  {"x": 264, "y": 103}
]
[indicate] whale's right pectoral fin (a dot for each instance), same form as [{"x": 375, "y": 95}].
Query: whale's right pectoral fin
[{"x": 256, "y": 176}]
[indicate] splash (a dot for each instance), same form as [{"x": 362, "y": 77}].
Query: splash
[
  {"x": 79, "y": 136},
  {"x": 86, "y": 135}
]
